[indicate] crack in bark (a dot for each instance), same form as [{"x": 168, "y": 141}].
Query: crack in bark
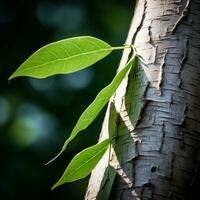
[
  {"x": 147, "y": 191},
  {"x": 150, "y": 37},
  {"x": 141, "y": 22},
  {"x": 185, "y": 53},
  {"x": 144, "y": 104},
  {"x": 182, "y": 17},
  {"x": 172, "y": 164},
  {"x": 161, "y": 72},
  {"x": 162, "y": 137}
]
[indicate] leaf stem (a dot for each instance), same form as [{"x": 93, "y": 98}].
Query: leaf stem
[
  {"x": 123, "y": 47},
  {"x": 118, "y": 48}
]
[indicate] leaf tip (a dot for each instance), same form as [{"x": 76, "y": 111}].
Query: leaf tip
[
  {"x": 58, "y": 183},
  {"x": 11, "y": 77},
  {"x": 54, "y": 186},
  {"x": 54, "y": 157}
]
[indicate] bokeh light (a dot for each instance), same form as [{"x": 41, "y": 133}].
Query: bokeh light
[
  {"x": 42, "y": 85},
  {"x": 60, "y": 15},
  {"x": 78, "y": 80},
  {"x": 23, "y": 132},
  {"x": 32, "y": 125},
  {"x": 37, "y": 115}
]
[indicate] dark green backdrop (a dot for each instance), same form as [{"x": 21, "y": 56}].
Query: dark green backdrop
[{"x": 36, "y": 116}]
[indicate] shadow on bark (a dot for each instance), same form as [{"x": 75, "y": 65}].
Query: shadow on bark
[{"x": 126, "y": 143}]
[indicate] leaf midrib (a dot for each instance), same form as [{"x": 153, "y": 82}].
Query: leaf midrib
[
  {"x": 87, "y": 161},
  {"x": 63, "y": 59}
]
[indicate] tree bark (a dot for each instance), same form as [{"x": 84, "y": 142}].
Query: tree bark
[{"x": 155, "y": 113}]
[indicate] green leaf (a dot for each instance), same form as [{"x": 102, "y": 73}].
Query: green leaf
[
  {"x": 97, "y": 105},
  {"x": 83, "y": 163},
  {"x": 64, "y": 56},
  {"x": 106, "y": 186}
]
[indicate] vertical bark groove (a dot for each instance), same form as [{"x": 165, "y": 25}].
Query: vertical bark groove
[
  {"x": 155, "y": 114},
  {"x": 183, "y": 15},
  {"x": 141, "y": 21}
]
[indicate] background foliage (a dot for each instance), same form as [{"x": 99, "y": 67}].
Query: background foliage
[{"x": 36, "y": 116}]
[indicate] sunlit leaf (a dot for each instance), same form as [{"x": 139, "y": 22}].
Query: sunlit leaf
[
  {"x": 97, "y": 105},
  {"x": 63, "y": 57},
  {"x": 83, "y": 163}
]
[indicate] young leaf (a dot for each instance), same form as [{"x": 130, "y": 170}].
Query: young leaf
[
  {"x": 83, "y": 163},
  {"x": 97, "y": 105},
  {"x": 64, "y": 56}
]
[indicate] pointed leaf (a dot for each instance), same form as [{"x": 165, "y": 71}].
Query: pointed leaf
[
  {"x": 97, "y": 105},
  {"x": 63, "y": 57},
  {"x": 83, "y": 163}
]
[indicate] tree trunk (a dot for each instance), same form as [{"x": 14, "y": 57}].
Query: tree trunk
[{"x": 155, "y": 113}]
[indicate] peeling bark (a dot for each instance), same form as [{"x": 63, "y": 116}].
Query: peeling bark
[{"x": 155, "y": 113}]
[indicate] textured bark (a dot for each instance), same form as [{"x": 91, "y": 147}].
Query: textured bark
[{"x": 155, "y": 113}]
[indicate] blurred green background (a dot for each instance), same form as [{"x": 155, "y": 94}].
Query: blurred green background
[{"x": 36, "y": 116}]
